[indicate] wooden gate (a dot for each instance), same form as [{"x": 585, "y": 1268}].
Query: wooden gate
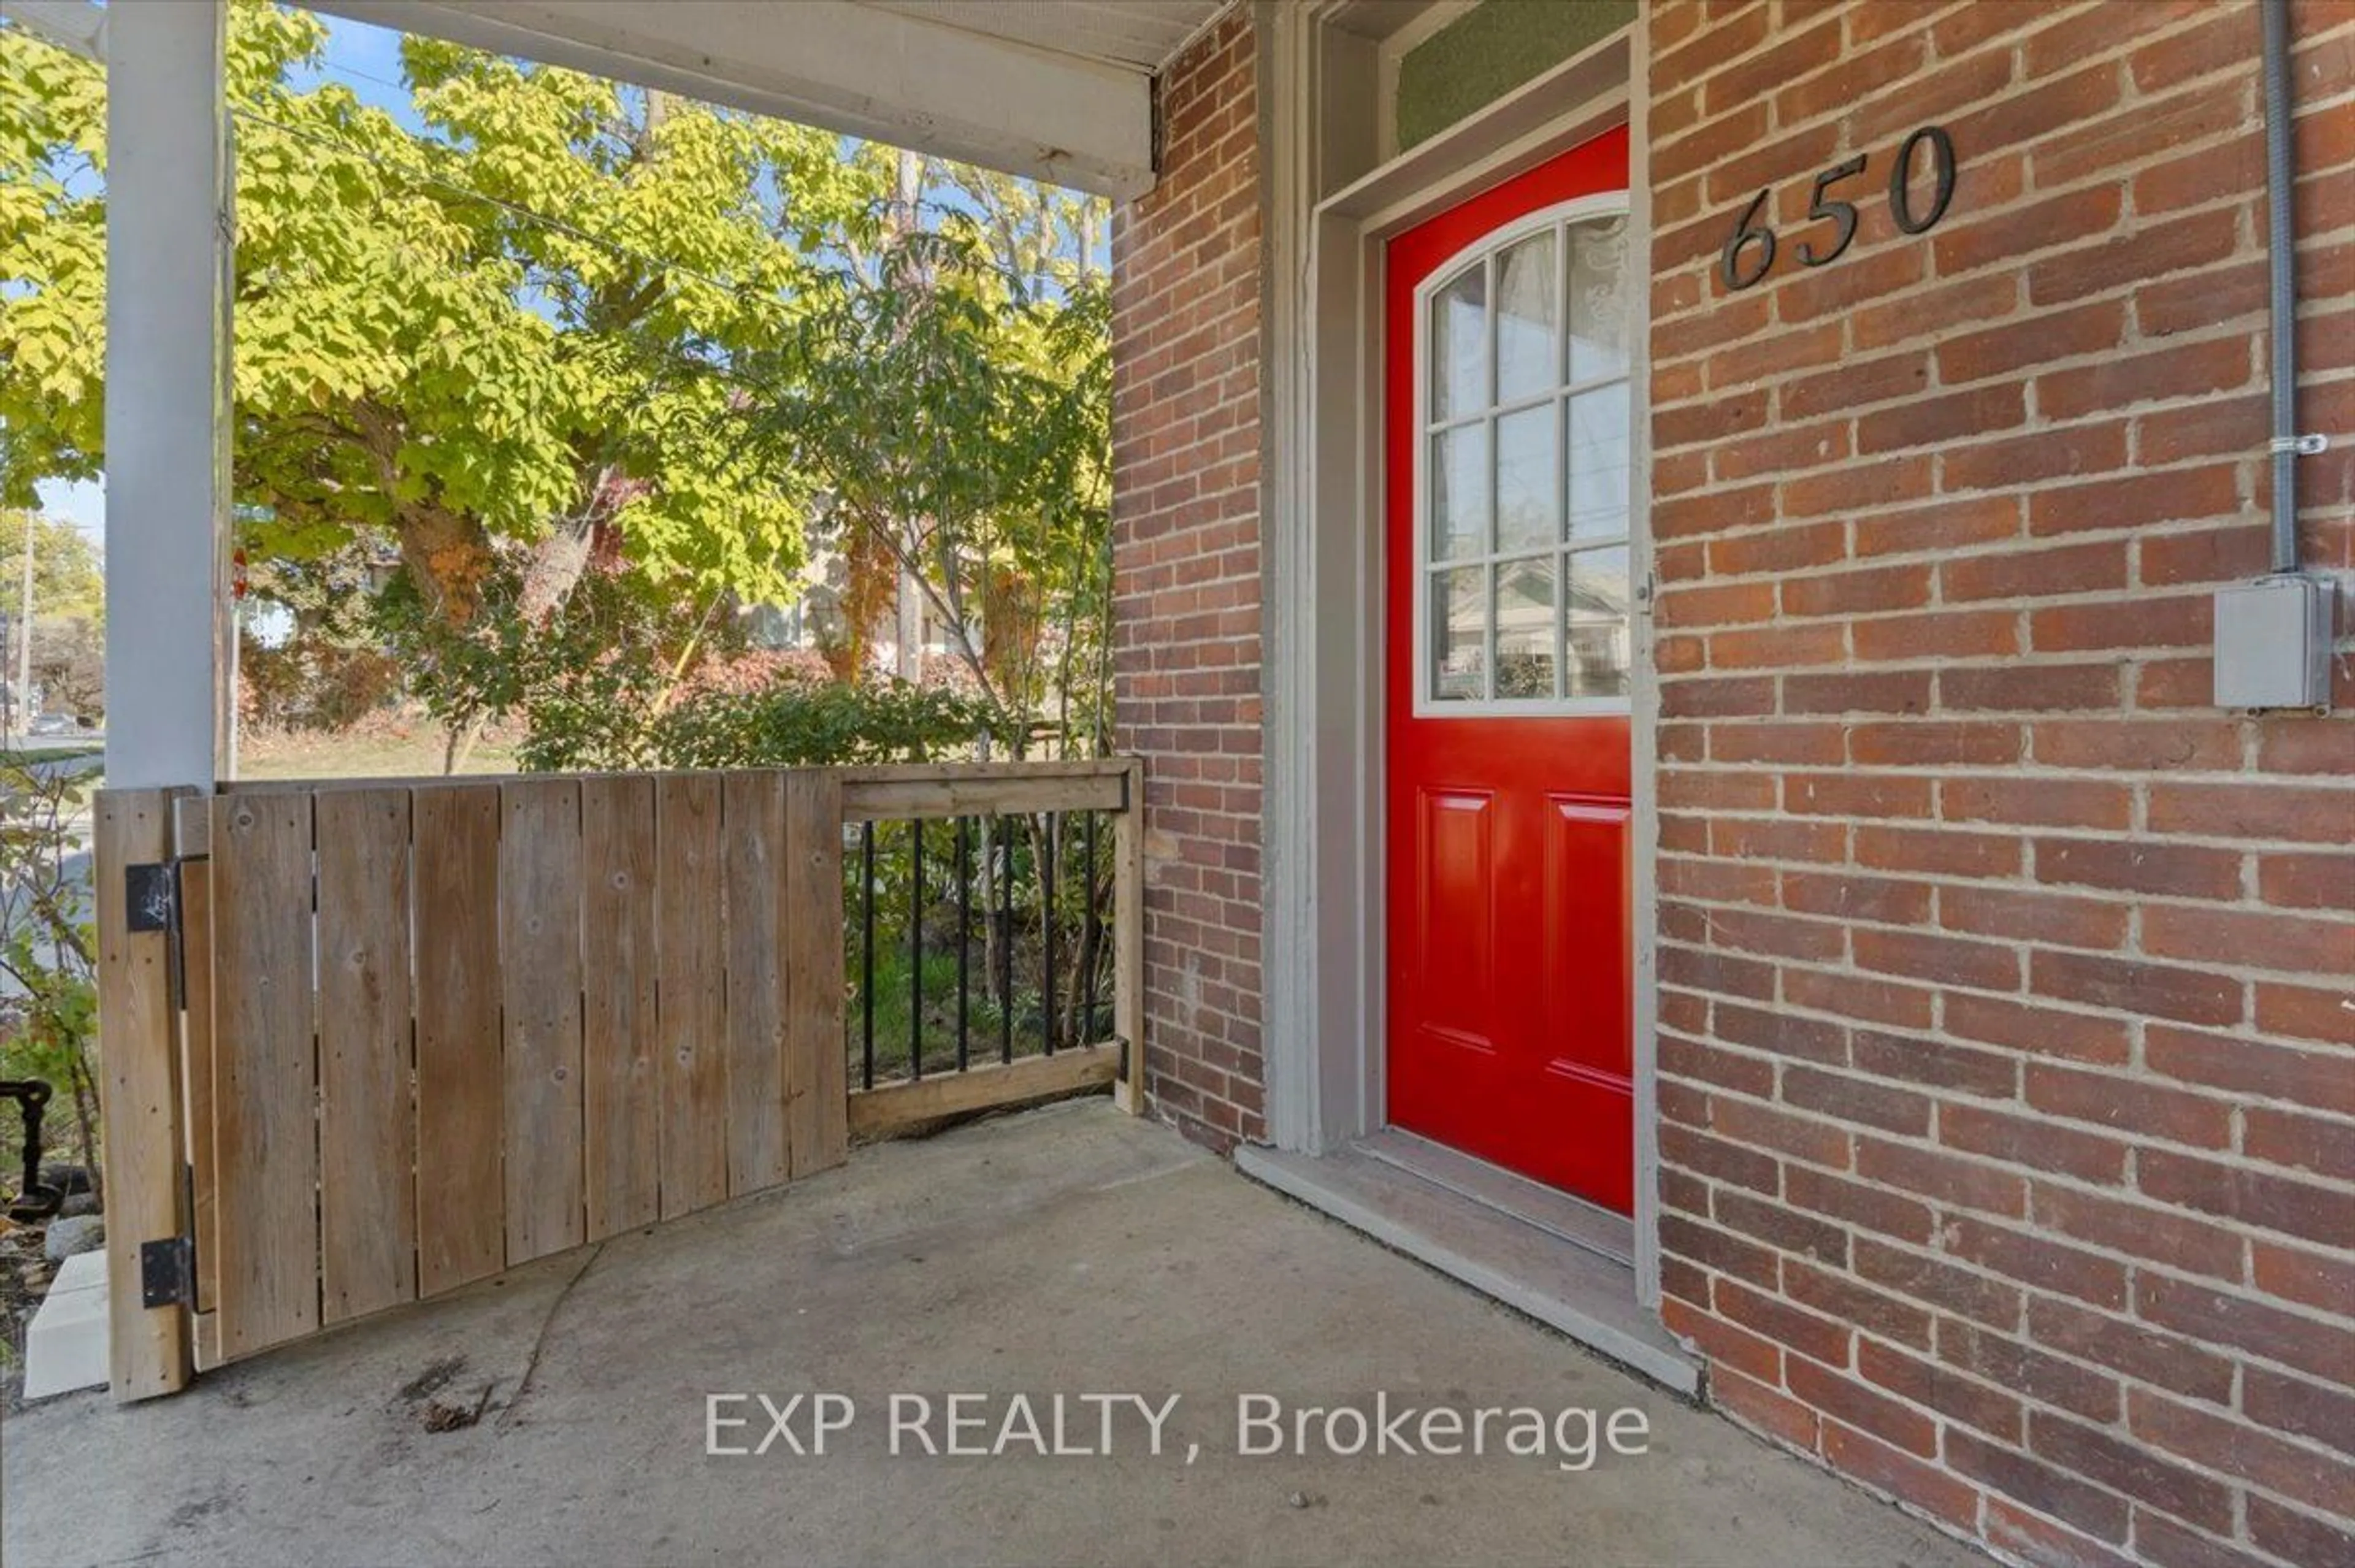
[
  {"x": 431, "y": 1031},
  {"x": 367, "y": 1042}
]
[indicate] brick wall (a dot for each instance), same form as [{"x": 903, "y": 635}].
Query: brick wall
[
  {"x": 1186, "y": 579},
  {"x": 2008, "y": 1069}
]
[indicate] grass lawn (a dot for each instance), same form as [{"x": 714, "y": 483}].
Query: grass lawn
[{"x": 376, "y": 750}]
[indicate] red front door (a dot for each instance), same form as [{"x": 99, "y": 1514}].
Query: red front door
[{"x": 1506, "y": 459}]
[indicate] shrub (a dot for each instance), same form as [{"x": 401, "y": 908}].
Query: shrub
[{"x": 799, "y": 723}]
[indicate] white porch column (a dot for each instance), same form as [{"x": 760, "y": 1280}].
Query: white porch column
[{"x": 169, "y": 254}]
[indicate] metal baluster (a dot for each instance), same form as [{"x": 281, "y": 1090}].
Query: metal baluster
[
  {"x": 916, "y": 950},
  {"x": 1047, "y": 973},
  {"x": 867, "y": 955},
  {"x": 1091, "y": 940},
  {"x": 1006, "y": 942},
  {"x": 965, "y": 931}
]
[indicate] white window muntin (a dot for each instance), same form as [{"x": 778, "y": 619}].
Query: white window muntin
[{"x": 1491, "y": 562}]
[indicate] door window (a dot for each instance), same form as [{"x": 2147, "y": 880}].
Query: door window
[{"x": 1522, "y": 471}]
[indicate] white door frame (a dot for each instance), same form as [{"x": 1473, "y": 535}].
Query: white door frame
[{"x": 1330, "y": 207}]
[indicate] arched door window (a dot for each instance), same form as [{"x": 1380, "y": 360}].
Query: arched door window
[{"x": 1522, "y": 471}]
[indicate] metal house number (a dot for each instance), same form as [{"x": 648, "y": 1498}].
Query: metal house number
[{"x": 1750, "y": 249}]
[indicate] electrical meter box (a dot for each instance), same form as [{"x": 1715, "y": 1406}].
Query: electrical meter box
[{"x": 2272, "y": 643}]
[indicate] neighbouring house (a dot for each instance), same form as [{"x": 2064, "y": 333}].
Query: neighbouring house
[{"x": 1732, "y": 610}]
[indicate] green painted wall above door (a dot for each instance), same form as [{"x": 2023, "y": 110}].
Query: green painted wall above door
[{"x": 1490, "y": 50}]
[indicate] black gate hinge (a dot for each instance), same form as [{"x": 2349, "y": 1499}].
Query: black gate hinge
[
  {"x": 167, "y": 1273},
  {"x": 151, "y": 903},
  {"x": 151, "y": 894}
]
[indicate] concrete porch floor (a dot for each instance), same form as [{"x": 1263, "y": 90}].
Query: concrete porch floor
[{"x": 1070, "y": 1249}]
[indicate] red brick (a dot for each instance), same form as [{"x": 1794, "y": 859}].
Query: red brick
[
  {"x": 2318, "y": 1412},
  {"x": 2223, "y": 1320},
  {"x": 1967, "y": 1184},
  {"x": 2173, "y": 1488},
  {"x": 1844, "y": 1398},
  {"x": 2269, "y": 1200},
  {"x": 2325, "y": 1147},
  {"x": 2044, "y": 574},
  {"x": 2165, "y": 1360},
  {"x": 2177, "y": 1240},
  {"x": 1911, "y": 1480},
  {"x": 1854, "y": 1203},
  {"x": 2029, "y": 688},
  {"x": 2046, "y": 454},
  {"x": 2297, "y": 1537},
  {"x": 1769, "y": 1410},
  {"x": 1839, "y": 1296},
  {"x": 2029, "y": 1372},
  {"x": 2038, "y": 802},
  {"x": 2046, "y": 918},
  {"x": 2037, "y": 1260},
  {"x": 2040, "y": 1486},
  {"x": 1998, "y": 1134},
  {"x": 2030, "y": 1538},
  {"x": 1926, "y": 1279},
  {"x": 1935, "y": 1063},
  {"x": 2217, "y": 1444},
  {"x": 2314, "y": 945},
  {"x": 2151, "y": 251},
  {"x": 2037, "y": 1026},
  {"x": 2187, "y": 996},
  {"x": 2319, "y": 1079},
  {"x": 2037, "y": 340},
  {"x": 2130, "y": 1106},
  {"x": 2131, "y": 865}
]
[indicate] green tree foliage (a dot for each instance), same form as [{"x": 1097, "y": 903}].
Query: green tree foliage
[
  {"x": 574, "y": 337},
  {"x": 48, "y": 1002},
  {"x": 68, "y": 584},
  {"x": 960, "y": 425},
  {"x": 489, "y": 341}
]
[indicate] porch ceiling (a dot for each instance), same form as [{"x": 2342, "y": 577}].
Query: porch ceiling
[
  {"x": 1142, "y": 35},
  {"x": 1058, "y": 90}
]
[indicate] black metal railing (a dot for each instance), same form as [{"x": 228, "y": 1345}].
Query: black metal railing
[{"x": 977, "y": 938}]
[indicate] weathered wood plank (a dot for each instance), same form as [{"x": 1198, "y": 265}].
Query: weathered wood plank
[
  {"x": 192, "y": 831},
  {"x": 889, "y": 1109},
  {"x": 1128, "y": 940},
  {"x": 817, "y": 1069},
  {"x": 540, "y": 974},
  {"x": 264, "y": 1069},
  {"x": 368, "y": 1127},
  {"x": 694, "y": 1045},
  {"x": 621, "y": 1083},
  {"x": 147, "y": 1350},
  {"x": 461, "y": 1197},
  {"x": 753, "y": 810},
  {"x": 896, "y": 799}
]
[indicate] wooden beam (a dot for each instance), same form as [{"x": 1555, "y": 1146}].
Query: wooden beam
[
  {"x": 147, "y": 1350},
  {"x": 1128, "y": 940},
  {"x": 77, "y": 27},
  {"x": 898, "y": 800},
  {"x": 895, "y": 78},
  {"x": 893, "y": 1108}
]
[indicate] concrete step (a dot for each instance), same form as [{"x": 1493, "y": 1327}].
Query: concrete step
[
  {"x": 65, "y": 1348},
  {"x": 1567, "y": 1286}
]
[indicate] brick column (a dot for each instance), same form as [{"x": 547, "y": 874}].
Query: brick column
[{"x": 1187, "y": 295}]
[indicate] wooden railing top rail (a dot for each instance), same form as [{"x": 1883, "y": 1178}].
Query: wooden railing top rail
[{"x": 895, "y": 791}]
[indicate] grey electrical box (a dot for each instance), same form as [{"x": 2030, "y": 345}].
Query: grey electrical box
[{"x": 2272, "y": 643}]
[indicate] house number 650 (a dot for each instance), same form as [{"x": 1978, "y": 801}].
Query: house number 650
[{"x": 1750, "y": 249}]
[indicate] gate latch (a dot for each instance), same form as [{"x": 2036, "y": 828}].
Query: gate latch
[{"x": 167, "y": 1273}]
